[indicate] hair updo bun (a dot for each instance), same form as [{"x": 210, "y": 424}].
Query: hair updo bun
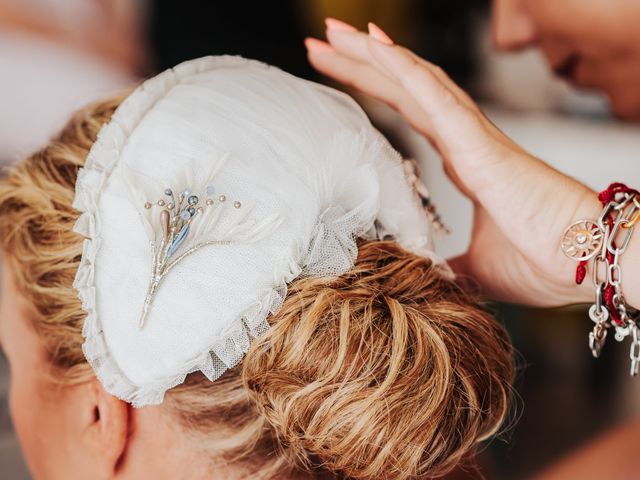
[{"x": 389, "y": 371}]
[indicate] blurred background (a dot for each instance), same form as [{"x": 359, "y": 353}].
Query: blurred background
[{"x": 57, "y": 55}]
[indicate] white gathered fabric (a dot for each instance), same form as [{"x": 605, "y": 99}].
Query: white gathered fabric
[{"x": 310, "y": 172}]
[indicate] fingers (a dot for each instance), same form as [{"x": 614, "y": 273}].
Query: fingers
[
  {"x": 369, "y": 49},
  {"x": 352, "y": 44},
  {"x": 458, "y": 123},
  {"x": 421, "y": 91},
  {"x": 471, "y": 146},
  {"x": 378, "y": 34},
  {"x": 325, "y": 58},
  {"x": 348, "y": 41},
  {"x": 449, "y": 109},
  {"x": 369, "y": 80},
  {"x": 318, "y": 46}
]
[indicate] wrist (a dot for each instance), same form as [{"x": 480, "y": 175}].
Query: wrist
[
  {"x": 604, "y": 243},
  {"x": 590, "y": 208}
]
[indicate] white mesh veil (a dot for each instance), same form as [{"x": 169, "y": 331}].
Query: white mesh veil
[{"x": 285, "y": 174}]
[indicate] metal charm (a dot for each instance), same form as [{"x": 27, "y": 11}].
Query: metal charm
[
  {"x": 582, "y": 240},
  {"x": 598, "y": 335},
  {"x": 603, "y": 242},
  {"x": 597, "y": 339},
  {"x": 622, "y": 332},
  {"x": 634, "y": 352}
]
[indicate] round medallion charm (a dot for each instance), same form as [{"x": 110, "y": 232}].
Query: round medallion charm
[{"x": 582, "y": 240}]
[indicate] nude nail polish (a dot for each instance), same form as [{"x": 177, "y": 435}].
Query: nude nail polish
[
  {"x": 379, "y": 34},
  {"x": 318, "y": 46},
  {"x": 339, "y": 25}
]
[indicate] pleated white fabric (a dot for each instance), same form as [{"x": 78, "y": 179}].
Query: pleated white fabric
[{"x": 303, "y": 174}]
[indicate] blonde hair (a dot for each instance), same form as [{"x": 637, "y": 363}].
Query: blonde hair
[{"x": 389, "y": 371}]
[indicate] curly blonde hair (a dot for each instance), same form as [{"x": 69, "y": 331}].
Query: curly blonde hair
[{"x": 387, "y": 372}]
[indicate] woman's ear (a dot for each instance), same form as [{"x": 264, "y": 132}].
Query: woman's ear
[{"x": 106, "y": 432}]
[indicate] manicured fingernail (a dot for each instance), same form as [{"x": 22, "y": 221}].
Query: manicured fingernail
[
  {"x": 318, "y": 46},
  {"x": 379, "y": 34},
  {"x": 339, "y": 25}
]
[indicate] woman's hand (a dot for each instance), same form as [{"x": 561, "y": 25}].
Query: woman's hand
[{"x": 521, "y": 205}]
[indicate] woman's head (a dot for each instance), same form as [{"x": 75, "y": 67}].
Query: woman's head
[
  {"x": 388, "y": 371},
  {"x": 593, "y": 43}
]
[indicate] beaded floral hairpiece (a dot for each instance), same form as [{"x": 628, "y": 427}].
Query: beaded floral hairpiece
[
  {"x": 201, "y": 272},
  {"x": 176, "y": 218}
]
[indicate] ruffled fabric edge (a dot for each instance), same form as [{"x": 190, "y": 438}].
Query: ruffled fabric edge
[
  {"x": 102, "y": 158},
  {"x": 234, "y": 342}
]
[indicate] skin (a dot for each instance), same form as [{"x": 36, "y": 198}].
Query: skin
[
  {"x": 613, "y": 456},
  {"x": 521, "y": 205},
  {"x": 116, "y": 38},
  {"x": 80, "y": 431},
  {"x": 594, "y": 44}
]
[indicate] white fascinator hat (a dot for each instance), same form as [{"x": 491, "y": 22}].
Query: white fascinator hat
[{"x": 214, "y": 185}]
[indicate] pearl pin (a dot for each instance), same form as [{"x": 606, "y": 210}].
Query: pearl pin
[
  {"x": 222, "y": 198},
  {"x": 237, "y": 204},
  {"x": 147, "y": 205}
]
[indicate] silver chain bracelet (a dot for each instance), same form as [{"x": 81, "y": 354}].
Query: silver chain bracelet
[{"x": 603, "y": 242}]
